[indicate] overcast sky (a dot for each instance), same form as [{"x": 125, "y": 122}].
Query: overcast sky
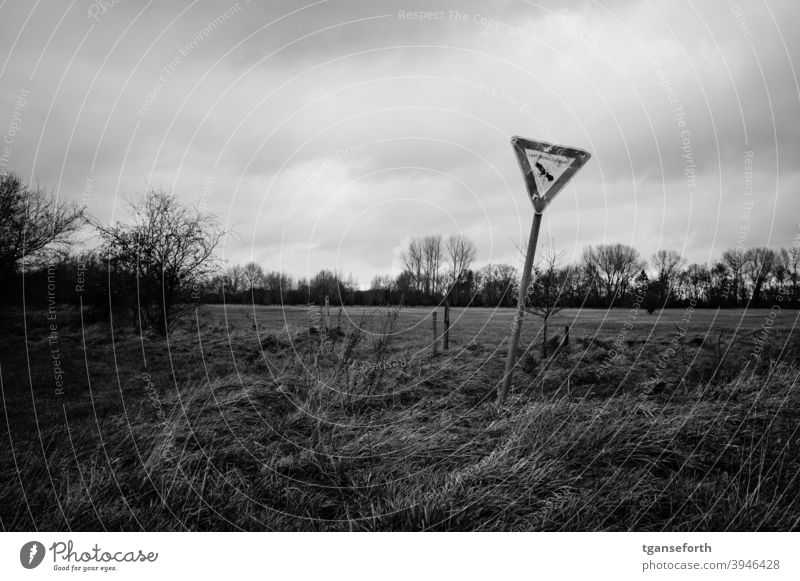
[{"x": 328, "y": 133}]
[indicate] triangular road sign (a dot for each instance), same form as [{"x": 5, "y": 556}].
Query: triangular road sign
[{"x": 546, "y": 168}]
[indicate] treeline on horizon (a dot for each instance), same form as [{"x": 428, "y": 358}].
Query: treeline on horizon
[
  {"x": 608, "y": 275},
  {"x": 151, "y": 267}
]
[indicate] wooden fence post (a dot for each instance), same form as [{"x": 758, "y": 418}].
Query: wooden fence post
[
  {"x": 435, "y": 335},
  {"x": 447, "y": 323}
]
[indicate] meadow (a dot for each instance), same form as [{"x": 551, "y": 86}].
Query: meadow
[{"x": 252, "y": 418}]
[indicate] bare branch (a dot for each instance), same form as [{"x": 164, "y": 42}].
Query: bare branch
[{"x": 33, "y": 223}]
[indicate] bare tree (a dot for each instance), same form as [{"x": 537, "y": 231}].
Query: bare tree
[
  {"x": 167, "y": 248},
  {"x": 254, "y": 281},
  {"x": 590, "y": 277},
  {"x": 668, "y": 265},
  {"x": 382, "y": 287},
  {"x": 32, "y": 223},
  {"x": 381, "y": 282},
  {"x": 412, "y": 261},
  {"x": 615, "y": 264},
  {"x": 497, "y": 284},
  {"x": 790, "y": 261},
  {"x": 696, "y": 280},
  {"x": 757, "y": 267},
  {"x": 234, "y": 280},
  {"x": 253, "y": 275},
  {"x": 461, "y": 252},
  {"x": 544, "y": 298},
  {"x": 720, "y": 283},
  {"x": 277, "y": 284},
  {"x": 432, "y": 263},
  {"x": 734, "y": 259}
]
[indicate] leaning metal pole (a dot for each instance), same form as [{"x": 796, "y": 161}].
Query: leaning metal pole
[{"x": 520, "y": 313}]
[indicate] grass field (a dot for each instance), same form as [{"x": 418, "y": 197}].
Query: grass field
[
  {"x": 246, "y": 419},
  {"x": 492, "y": 326}
]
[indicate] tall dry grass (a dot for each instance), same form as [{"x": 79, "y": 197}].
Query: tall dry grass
[{"x": 267, "y": 431}]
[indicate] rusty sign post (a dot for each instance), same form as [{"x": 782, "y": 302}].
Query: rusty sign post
[{"x": 545, "y": 168}]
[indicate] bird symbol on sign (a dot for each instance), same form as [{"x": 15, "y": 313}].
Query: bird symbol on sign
[{"x": 543, "y": 172}]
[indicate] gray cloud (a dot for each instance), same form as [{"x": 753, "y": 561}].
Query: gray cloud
[{"x": 668, "y": 97}]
